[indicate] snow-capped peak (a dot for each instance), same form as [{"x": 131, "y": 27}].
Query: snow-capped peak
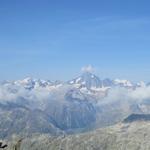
[
  {"x": 30, "y": 83},
  {"x": 27, "y": 83},
  {"x": 87, "y": 83},
  {"x": 87, "y": 80},
  {"x": 124, "y": 83},
  {"x": 141, "y": 84}
]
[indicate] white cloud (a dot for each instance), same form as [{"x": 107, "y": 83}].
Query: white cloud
[
  {"x": 88, "y": 68},
  {"x": 123, "y": 94},
  {"x": 36, "y": 98}
]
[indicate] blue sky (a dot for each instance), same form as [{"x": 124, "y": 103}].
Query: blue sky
[{"x": 53, "y": 39}]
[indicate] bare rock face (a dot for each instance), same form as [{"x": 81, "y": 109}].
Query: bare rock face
[
  {"x": 128, "y": 136},
  {"x": 22, "y": 121},
  {"x": 75, "y": 111},
  {"x": 3, "y": 145}
]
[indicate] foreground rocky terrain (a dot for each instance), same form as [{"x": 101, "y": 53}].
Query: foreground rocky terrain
[{"x": 134, "y": 135}]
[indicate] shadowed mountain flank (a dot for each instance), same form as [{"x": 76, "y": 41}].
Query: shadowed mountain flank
[{"x": 137, "y": 117}]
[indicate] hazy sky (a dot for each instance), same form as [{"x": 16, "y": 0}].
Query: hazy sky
[{"x": 53, "y": 39}]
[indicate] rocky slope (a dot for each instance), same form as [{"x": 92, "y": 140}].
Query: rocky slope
[{"x": 123, "y": 136}]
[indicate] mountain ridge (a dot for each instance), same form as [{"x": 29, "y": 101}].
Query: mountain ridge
[{"x": 64, "y": 107}]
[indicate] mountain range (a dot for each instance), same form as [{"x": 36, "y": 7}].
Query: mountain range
[{"x": 35, "y": 106}]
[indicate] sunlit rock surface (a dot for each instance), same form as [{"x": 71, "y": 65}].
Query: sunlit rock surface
[{"x": 128, "y": 136}]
